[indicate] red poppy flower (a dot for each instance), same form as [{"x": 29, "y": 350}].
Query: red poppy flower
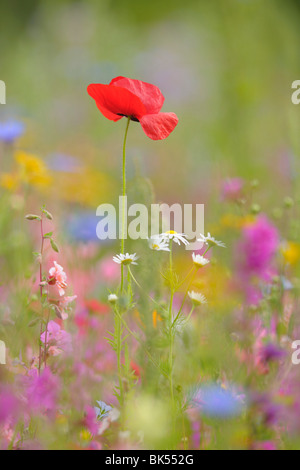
[
  {"x": 138, "y": 100},
  {"x": 95, "y": 306},
  {"x": 135, "y": 368}
]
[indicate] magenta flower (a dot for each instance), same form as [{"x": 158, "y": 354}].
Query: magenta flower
[
  {"x": 256, "y": 256},
  {"x": 42, "y": 390},
  {"x": 9, "y": 406},
  {"x": 258, "y": 247}
]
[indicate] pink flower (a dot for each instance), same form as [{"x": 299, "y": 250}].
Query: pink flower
[
  {"x": 265, "y": 445},
  {"x": 58, "y": 277},
  {"x": 232, "y": 189},
  {"x": 62, "y": 305},
  {"x": 58, "y": 339},
  {"x": 258, "y": 247},
  {"x": 42, "y": 390},
  {"x": 90, "y": 420}
]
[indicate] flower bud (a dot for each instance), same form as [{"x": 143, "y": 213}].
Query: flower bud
[
  {"x": 255, "y": 209},
  {"x": 288, "y": 203},
  {"x": 112, "y": 298},
  {"x": 32, "y": 217}
]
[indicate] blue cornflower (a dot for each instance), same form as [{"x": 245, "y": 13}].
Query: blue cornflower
[
  {"x": 10, "y": 131},
  {"x": 214, "y": 401}
]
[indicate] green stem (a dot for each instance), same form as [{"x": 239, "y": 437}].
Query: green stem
[
  {"x": 190, "y": 314},
  {"x": 123, "y": 204},
  {"x": 118, "y": 325},
  {"x": 41, "y": 293},
  {"x": 119, "y": 355},
  {"x": 142, "y": 289},
  {"x": 171, "y": 338},
  {"x": 185, "y": 296},
  {"x": 188, "y": 288},
  {"x": 135, "y": 336}
]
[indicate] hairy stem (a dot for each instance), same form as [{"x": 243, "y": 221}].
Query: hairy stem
[
  {"x": 123, "y": 202},
  {"x": 41, "y": 292}
]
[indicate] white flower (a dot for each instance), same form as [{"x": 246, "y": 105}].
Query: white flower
[
  {"x": 199, "y": 261},
  {"x": 158, "y": 244},
  {"x": 174, "y": 236},
  {"x": 197, "y": 298},
  {"x": 112, "y": 298},
  {"x": 125, "y": 259},
  {"x": 211, "y": 241}
]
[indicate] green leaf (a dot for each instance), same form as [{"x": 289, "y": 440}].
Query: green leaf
[
  {"x": 54, "y": 245},
  {"x": 48, "y": 235}
]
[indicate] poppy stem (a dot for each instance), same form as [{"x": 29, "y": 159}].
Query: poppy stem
[{"x": 123, "y": 201}]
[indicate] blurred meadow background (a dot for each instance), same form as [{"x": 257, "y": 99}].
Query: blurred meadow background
[{"x": 226, "y": 69}]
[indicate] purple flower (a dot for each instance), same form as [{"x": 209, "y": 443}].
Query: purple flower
[
  {"x": 10, "y": 131},
  {"x": 269, "y": 410},
  {"x": 270, "y": 352}
]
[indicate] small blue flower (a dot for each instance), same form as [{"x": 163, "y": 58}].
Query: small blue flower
[
  {"x": 286, "y": 284},
  {"x": 82, "y": 227},
  {"x": 214, "y": 401},
  {"x": 10, "y": 131},
  {"x": 102, "y": 410}
]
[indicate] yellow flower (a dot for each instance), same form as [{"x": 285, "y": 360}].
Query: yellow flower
[
  {"x": 9, "y": 181},
  {"x": 291, "y": 252},
  {"x": 32, "y": 169},
  {"x": 85, "y": 435},
  {"x": 236, "y": 222},
  {"x": 87, "y": 187}
]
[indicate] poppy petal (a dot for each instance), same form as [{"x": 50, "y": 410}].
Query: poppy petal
[
  {"x": 159, "y": 126},
  {"x": 150, "y": 95},
  {"x": 108, "y": 114},
  {"x": 115, "y": 102}
]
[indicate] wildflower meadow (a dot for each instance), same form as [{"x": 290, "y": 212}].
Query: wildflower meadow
[{"x": 149, "y": 227}]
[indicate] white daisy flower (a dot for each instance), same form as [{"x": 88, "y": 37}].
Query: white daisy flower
[
  {"x": 125, "y": 259},
  {"x": 197, "y": 298},
  {"x": 112, "y": 298},
  {"x": 158, "y": 244},
  {"x": 199, "y": 260},
  {"x": 174, "y": 236},
  {"x": 211, "y": 241}
]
